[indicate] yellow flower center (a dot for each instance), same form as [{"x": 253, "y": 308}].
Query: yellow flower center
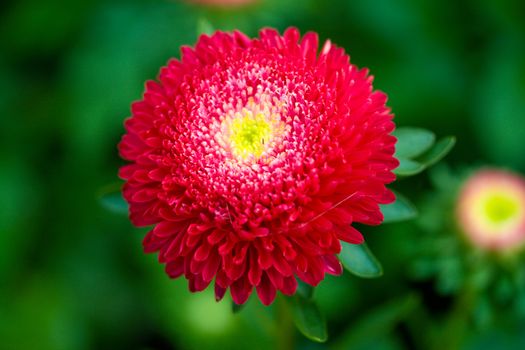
[
  {"x": 249, "y": 134},
  {"x": 252, "y": 133},
  {"x": 497, "y": 210},
  {"x": 500, "y": 208}
]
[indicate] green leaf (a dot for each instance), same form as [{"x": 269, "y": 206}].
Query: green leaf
[
  {"x": 402, "y": 209},
  {"x": 305, "y": 290},
  {"x": 359, "y": 260},
  {"x": 412, "y": 142},
  {"x": 438, "y": 151},
  {"x": 114, "y": 202},
  {"x": 408, "y": 167},
  {"x": 308, "y": 319}
]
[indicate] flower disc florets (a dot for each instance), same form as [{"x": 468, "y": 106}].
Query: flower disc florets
[{"x": 253, "y": 157}]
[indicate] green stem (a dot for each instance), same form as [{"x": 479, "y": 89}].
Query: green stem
[
  {"x": 458, "y": 324},
  {"x": 285, "y": 327}
]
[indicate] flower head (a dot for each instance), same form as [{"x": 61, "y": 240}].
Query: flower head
[
  {"x": 253, "y": 157},
  {"x": 491, "y": 209}
]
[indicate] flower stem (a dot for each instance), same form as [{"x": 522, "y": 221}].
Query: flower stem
[
  {"x": 285, "y": 328},
  {"x": 458, "y": 323}
]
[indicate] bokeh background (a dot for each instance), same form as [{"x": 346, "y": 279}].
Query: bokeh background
[{"x": 72, "y": 272}]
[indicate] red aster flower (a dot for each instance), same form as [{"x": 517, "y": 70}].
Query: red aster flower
[
  {"x": 491, "y": 210},
  {"x": 253, "y": 157}
]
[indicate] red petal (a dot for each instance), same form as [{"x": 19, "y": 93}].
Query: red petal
[
  {"x": 196, "y": 266},
  {"x": 275, "y": 277},
  {"x": 144, "y": 195},
  {"x": 216, "y": 236},
  {"x": 289, "y": 285},
  {"x": 210, "y": 268},
  {"x": 222, "y": 280},
  {"x": 309, "y": 46},
  {"x": 219, "y": 292},
  {"x": 168, "y": 228},
  {"x": 265, "y": 259},
  {"x": 332, "y": 265},
  {"x": 240, "y": 290},
  {"x": 175, "y": 268},
  {"x": 280, "y": 263},
  {"x": 322, "y": 224},
  {"x": 266, "y": 290},
  {"x": 349, "y": 234},
  {"x": 315, "y": 272},
  {"x": 202, "y": 252},
  {"x": 255, "y": 271},
  {"x": 197, "y": 284},
  {"x": 151, "y": 243}
]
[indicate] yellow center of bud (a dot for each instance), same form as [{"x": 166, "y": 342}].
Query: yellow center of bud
[
  {"x": 497, "y": 210},
  {"x": 500, "y": 208}
]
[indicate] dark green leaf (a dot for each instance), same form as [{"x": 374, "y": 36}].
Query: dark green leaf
[
  {"x": 305, "y": 290},
  {"x": 308, "y": 319},
  {"x": 402, "y": 209},
  {"x": 412, "y": 142},
  {"x": 114, "y": 202},
  {"x": 408, "y": 167},
  {"x": 359, "y": 260},
  {"x": 438, "y": 151}
]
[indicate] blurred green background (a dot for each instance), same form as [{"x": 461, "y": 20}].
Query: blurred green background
[{"x": 72, "y": 273}]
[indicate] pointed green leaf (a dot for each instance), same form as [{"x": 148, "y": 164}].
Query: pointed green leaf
[
  {"x": 402, "y": 209},
  {"x": 438, "y": 151},
  {"x": 305, "y": 290},
  {"x": 408, "y": 167},
  {"x": 114, "y": 202},
  {"x": 412, "y": 142},
  {"x": 359, "y": 260},
  {"x": 308, "y": 319}
]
